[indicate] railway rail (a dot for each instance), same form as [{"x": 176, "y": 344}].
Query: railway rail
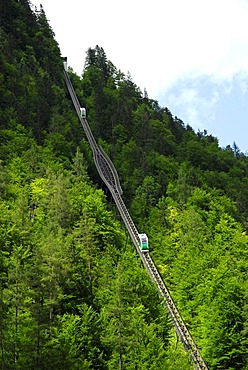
[{"x": 110, "y": 177}]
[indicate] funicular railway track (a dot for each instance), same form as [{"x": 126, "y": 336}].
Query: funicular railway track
[{"x": 109, "y": 175}]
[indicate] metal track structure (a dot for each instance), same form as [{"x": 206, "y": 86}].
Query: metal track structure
[{"x": 110, "y": 177}]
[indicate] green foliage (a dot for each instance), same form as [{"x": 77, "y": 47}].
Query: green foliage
[
  {"x": 203, "y": 256},
  {"x": 72, "y": 293},
  {"x": 55, "y": 255},
  {"x": 128, "y": 304}
]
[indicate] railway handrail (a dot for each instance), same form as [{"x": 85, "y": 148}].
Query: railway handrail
[
  {"x": 97, "y": 150},
  {"x": 110, "y": 177}
]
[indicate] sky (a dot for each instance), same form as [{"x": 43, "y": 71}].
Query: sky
[{"x": 191, "y": 56}]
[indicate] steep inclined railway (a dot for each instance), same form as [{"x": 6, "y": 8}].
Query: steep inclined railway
[{"x": 109, "y": 175}]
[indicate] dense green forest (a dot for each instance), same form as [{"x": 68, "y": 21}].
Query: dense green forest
[{"x": 73, "y": 292}]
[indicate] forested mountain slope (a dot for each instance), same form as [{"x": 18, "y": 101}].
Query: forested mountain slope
[{"x": 73, "y": 292}]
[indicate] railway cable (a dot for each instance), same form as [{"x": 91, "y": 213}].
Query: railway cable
[{"x": 110, "y": 177}]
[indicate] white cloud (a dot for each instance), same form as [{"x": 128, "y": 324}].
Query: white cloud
[
  {"x": 220, "y": 106},
  {"x": 162, "y": 43},
  {"x": 192, "y": 105},
  {"x": 157, "y": 42}
]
